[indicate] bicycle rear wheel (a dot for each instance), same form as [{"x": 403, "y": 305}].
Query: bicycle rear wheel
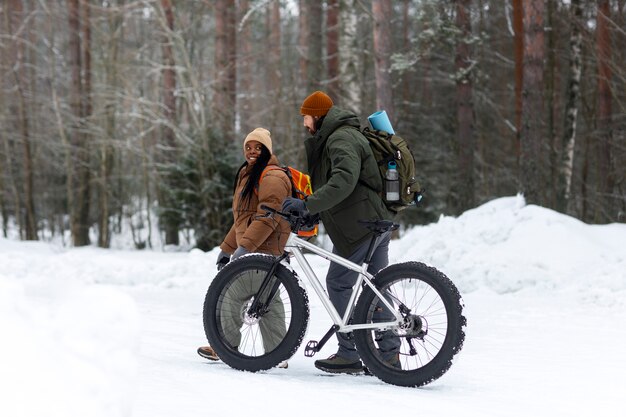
[
  {"x": 260, "y": 340},
  {"x": 432, "y": 332}
]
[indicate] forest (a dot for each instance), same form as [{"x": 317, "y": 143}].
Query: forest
[{"x": 131, "y": 113}]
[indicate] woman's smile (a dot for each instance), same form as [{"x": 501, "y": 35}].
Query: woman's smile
[{"x": 252, "y": 151}]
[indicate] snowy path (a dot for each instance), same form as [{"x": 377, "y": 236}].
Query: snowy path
[
  {"x": 525, "y": 355},
  {"x": 113, "y": 333}
]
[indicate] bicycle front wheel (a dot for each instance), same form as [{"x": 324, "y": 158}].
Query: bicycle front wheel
[
  {"x": 261, "y": 339},
  {"x": 421, "y": 349}
]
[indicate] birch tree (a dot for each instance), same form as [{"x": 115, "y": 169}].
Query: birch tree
[
  {"x": 571, "y": 110},
  {"x": 224, "y": 103},
  {"x": 332, "y": 48},
  {"x": 107, "y": 154},
  {"x": 349, "y": 62},
  {"x": 381, "y": 11}
]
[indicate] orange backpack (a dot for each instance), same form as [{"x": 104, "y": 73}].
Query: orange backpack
[{"x": 300, "y": 188}]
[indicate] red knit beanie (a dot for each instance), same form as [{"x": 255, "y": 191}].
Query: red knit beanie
[{"x": 317, "y": 104}]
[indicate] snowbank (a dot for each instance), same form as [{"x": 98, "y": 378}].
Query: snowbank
[
  {"x": 72, "y": 327},
  {"x": 507, "y": 246}
]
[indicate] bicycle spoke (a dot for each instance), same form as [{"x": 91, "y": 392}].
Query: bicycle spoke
[{"x": 426, "y": 307}]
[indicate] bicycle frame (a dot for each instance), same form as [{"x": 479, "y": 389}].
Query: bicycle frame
[{"x": 294, "y": 246}]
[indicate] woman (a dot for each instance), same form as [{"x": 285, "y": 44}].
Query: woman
[{"x": 251, "y": 232}]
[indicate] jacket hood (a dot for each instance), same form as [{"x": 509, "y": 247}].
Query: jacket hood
[{"x": 336, "y": 118}]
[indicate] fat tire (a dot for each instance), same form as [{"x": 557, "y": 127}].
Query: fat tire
[
  {"x": 455, "y": 333},
  {"x": 298, "y": 321}
]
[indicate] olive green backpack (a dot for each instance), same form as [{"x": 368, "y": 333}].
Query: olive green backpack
[{"x": 387, "y": 148}]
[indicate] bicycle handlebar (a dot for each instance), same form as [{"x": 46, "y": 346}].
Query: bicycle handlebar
[
  {"x": 286, "y": 216},
  {"x": 295, "y": 220}
]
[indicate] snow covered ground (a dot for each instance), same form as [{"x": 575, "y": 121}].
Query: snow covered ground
[{"x": 92, "y": 332}]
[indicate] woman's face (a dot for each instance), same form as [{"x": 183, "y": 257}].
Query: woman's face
[{"x": 252, "y": 151}]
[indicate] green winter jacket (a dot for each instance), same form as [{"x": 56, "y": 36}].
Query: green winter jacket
[{"x": 346, "y": 180}]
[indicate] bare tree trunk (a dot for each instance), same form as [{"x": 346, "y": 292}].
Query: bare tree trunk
[
  {"x": 584, "y": 193},
  {"x": 350, "y": 96},
  {"x": 465, "y": 107},
  {"x": 86, "y": 135},
  {"x": 244, "y": 67},
  {"x": 532, "y": 148},
  {"x": 310, "y": 45},
  {"x": 618, "y": 153},
  {"x": 381, "y": 10},
  {"x": 518, "y": 41},
  {"x": 407, "y": 89},
  {"x": 304, "y": 24},
  {"x": 107, "y": 149},
  {"x": 12, "y": 170},
  {"x": 426, "y": 76},
  {"x": 68, "y": 153},
  {"x": 274, "y": 67},
  {"x": 80, "y": 163},
  {"x": 550, "y": 74},
  {"x": 332, "y": 47},
  {"x": 225, "y": 66},
  {"x": 17, "y": 22},
  {"x": 566, "y": 168},
  {"x": 145, "y": 174},
  {"x": 3, "y": 210},
  {"x": 13, "y": 184},
  {"x": 605, "y": 174},
  {"x": 170, "y": 217}
]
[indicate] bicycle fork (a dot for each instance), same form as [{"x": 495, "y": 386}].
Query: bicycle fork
[{"x": 258, "y": 308}]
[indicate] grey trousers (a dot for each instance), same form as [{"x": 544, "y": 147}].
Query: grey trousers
[
  {"x": 339, "y": 283},
  {"x": 236, "y": 300}
]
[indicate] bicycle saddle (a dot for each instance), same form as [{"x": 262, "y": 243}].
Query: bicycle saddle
[{"x": 378, "y": 226}]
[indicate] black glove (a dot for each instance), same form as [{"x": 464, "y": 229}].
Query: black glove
[
  {"x": 294, "y": 205},
  {"x": 222, "y": 259},
  {"x": 239, "y": 252},
  {"x": 310, "y": 221}
]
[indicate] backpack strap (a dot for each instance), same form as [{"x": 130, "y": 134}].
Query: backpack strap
[{"x": 267, "y": 169}]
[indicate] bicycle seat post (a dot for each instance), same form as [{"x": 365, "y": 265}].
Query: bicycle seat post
[
  {"x": 371, "y": 248},
  {"x": 378, "y": 228}
]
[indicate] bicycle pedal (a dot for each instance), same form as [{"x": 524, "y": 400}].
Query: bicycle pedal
[{"x": 311, "y": 348}]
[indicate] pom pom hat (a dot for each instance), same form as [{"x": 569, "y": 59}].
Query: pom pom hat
[
  {"x": 262, "y": 136},
  {"x": 317, "y": 104}
]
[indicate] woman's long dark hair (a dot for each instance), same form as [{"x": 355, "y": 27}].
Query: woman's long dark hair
[{"x": 255, "y": 173}]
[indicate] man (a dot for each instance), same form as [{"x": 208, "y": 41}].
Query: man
[{"x": 346, "y": 183}]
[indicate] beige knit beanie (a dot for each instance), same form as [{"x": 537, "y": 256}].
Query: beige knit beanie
[{"x": 261, "y": 135}]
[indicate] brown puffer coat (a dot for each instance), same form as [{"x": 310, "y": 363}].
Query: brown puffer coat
[{"x": 250, "y": 230}]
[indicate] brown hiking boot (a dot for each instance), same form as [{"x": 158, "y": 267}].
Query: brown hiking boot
[
  {"x": 393, "y": 361},
  {"x": 207, "y": 352}
]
